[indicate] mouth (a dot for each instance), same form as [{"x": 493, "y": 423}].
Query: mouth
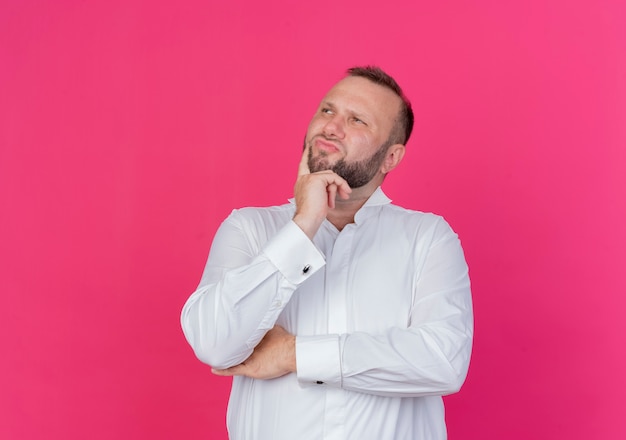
[{"x": 325, "y": 146}]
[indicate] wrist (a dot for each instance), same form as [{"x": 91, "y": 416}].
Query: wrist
[{"x": 308, "y": 225}]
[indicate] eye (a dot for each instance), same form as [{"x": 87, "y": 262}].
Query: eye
[
  {"x": 326, "y": 111},
  {"x": 359, "y": 121}
]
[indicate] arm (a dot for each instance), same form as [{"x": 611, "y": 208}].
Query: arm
[
  {"x": 315, "y": 195},
  {"x": 428, "y": 357},
  {"x": 246, "y": 285}
]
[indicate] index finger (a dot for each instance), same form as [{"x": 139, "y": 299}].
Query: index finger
[{"x": 303, "y": 167}]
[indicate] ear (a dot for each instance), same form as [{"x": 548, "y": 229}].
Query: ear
[{"x": 395, "y": 153}]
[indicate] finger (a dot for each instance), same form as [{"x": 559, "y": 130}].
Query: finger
[
  {"x": 232, "y": 371},
  {"x": 344, "y": 191},
  {"x": 219, "y": 372},
  {"x": 332, "y": 193},
  {"x": 341, "y": 186},
  {"x": 303, "y": 168}
]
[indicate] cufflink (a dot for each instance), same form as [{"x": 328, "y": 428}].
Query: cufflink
[{"x": 306, "y": 268}]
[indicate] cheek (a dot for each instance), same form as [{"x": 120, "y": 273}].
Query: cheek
[
  {"x": 364, "y": 144},
  {"x": 315, "y": 127}
]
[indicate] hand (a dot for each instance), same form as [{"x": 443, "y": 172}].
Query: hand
[
  {"x": 273, "y": 357},
  {"x": 315, "y": 194}
]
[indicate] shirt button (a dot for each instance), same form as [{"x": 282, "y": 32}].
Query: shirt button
[
  {"x": 306, "y": 268},
  {"x": 319, "y": 382}
]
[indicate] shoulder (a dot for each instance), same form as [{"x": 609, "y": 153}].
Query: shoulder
[
  {"x": 268, "y": 216},
  {"x": 419, "y": 223},
  {"x": 251, "y": 227},
  {"x": 251, "y": 212},
  {"x": 410, "y": 215}
]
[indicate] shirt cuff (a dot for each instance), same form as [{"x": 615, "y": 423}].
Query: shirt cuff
[
  {"x": 293, "y": 254},
  {"x": 318, "y": 360}
]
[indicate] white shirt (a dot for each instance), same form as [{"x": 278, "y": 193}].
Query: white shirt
[{"x": 381, "y": 312}]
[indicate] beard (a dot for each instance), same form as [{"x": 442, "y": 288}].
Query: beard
[{"x": 357, "y": 174}]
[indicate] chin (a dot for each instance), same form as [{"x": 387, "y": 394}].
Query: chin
[{"x": 319, "y": 163}]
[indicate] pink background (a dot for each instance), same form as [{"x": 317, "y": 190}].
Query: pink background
[{"x": 130, "y": 129}]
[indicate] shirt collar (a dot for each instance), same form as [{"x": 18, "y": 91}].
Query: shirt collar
[{"x": 378, "y": 198}]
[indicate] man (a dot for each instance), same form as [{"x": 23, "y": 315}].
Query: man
[{"x": 340, "y": 315}]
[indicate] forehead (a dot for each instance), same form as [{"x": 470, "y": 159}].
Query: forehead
[{"x": 360, "y": 95}]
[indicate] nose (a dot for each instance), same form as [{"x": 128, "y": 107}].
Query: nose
[{"x": 334, "y": 127}]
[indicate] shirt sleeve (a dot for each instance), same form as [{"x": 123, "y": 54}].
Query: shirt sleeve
[
  {"x": 428, "y": 357},
  {"x": 244, "y": 288}
]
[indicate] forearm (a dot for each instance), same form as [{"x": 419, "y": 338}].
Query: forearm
[{"x": 400, "y": 362}]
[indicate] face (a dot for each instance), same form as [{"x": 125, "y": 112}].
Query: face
[{"x": 349, "y": 132}]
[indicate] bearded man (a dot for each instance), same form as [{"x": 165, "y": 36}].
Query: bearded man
[{"x": 340, "y": 315}]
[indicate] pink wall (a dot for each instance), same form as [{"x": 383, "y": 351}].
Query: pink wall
[{"x": 130, "y": 129}]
